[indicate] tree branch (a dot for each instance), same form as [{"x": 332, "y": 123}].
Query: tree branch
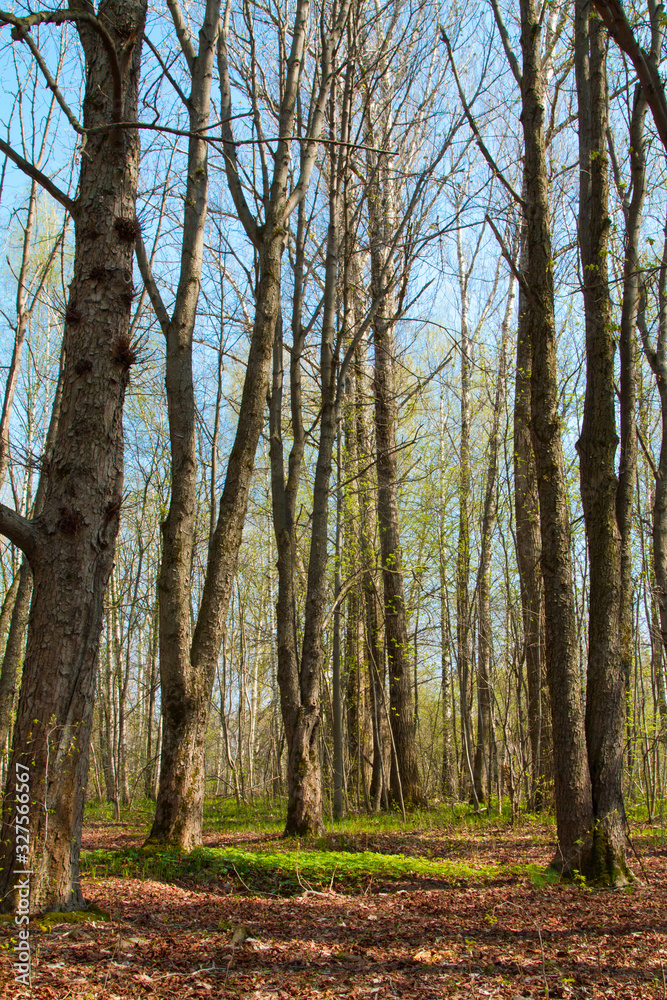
[
  {"x": 32, "y": 171},
  {"x": 19, "y": 530},
  {"x": 246, "y": 218},
  {"x": 508, "y": 257},
  {"x": 166, "y": 72},
  {"x": 151, "y": 286},
  {"x": 504, "y": 37},
  {"x": 53, "y": 86},
  {"x": 183, "y": 33},
  {"x": 645, "y": 63},
  {"x": 22, "y": 25},
  {"x": 475, "y": 131}
]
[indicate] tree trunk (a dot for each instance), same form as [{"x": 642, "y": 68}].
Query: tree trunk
[
  {"x": 627, "y": 471},
  {"x": 463, "y": 652},
  {"x": 374, "y": 650},
  {"x": 572, "y": 779},
  {"x": 188, "y": 670},
  {"x": 605, "y": 690},
  {"x": 71, "y": 545},
  {"x": 10, "y": 664},
  {"x": 404, "y": 781},
  {"x": 529, "y": 553},
  {"x": 304, "y": 805},
  {"x": 485, "y": 741},
  {"x": 179, "y": 807}
]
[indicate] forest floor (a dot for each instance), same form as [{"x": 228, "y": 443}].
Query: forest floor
[{"x": 452, "y": 908}]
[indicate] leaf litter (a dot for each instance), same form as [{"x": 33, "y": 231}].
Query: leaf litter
[{"x": 507, "y": 935}]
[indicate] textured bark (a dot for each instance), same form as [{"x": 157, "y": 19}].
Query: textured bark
[
  {"x": 572, "y": 779},
  {"x": 373, "y": 646},
  {"x": 605, "y": 689},
  {"x": 355, "y": 705},
  {"x": 657, "y": 358},
  {"x": 150, "y": 772},
  {"x": 485, "y": 748},
  {"x": 304, "y": 805},
  {"x": 284, "y": 490},
  {"x": 188, "y": 669},
  {"x": 337, "y": 674},
  {"x": 463, "y": 645},
  {"x": 628, "y": 390},
  {"x": 405, "y": 782},
  {"x": 71, "y": 544},
  {"x": 529, "y": 552},
  {"x": 185, "y": 688}
]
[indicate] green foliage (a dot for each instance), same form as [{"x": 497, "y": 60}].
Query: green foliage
[
  {"x": 541, "y": 877},
  {"x": 282, "y": 870}
]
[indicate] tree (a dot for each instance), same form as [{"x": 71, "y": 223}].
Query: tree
[
  {"x": 571, "y": 775},
  {"x": 605, "y": 680},
  {"x": 70, "y": 544}
]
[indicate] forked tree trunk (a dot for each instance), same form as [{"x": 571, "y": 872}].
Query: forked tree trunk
[
  {"x": 188, "y": 669},
  {"x": 179, "y": 807},
  {"x": 71, "y": 545}
]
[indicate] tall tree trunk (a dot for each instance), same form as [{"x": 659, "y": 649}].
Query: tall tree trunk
[
  {"x": 373, "y": 646},
  {"x": 605, "y": 689},
  {"x": 448, "y": 770},
  {"x": 529, "y": 553},
  {"x": 485, "y": 740},
  {"x": 188, "y": 669},
  {"x": 10, "y": 664},
  {"x": 151, "y": 768},
  {"x": 463, "y": 652},
  {"x": 179, "y": 807},
  {"x": 71, "y": 545},
  {"x": 572, "y": 779},
  {"x": 657, "y": 358},
  {"x": 405, "y": 782},
  {"x": 336, "y": 678},
  {"x": 633, "y": 211}
]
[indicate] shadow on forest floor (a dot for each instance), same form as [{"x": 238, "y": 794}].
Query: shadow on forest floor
[{"x": 488, "y": 931}]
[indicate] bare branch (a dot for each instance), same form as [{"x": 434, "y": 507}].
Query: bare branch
[
  {"x": 645, "y": 63},
  {"x": 166, "y": 72},
  {"x": 183, "y": 32},
  {"x": 229, "y": 147},
  {"x": 22, "y": 25},
  {"x": 19, "y": 530},
  {"x": 508, "y": 257},
  {"x": 151, "y": 286},
  {"x": 53, "y": 86},
  {"x": 32, "y": 171},
  {"x": 475, "y": 131},
  {"x": 504, "y": 37}
]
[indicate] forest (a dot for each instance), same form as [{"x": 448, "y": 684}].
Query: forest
[{"x": 333, "y": 524}]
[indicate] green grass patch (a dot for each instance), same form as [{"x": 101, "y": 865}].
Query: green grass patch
[
  {"x": 282, "y": 871},
  {"x": 267, "y": 816},
  {"x": 140, "y": 813}
]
